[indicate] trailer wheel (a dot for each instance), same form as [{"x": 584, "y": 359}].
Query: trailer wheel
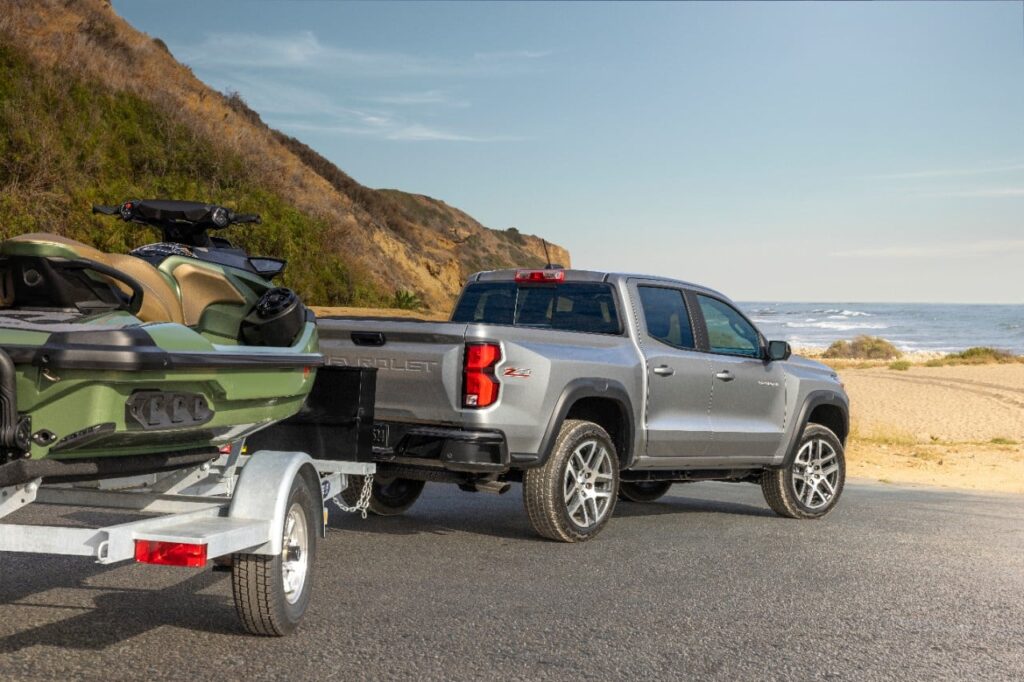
[
  {"x": 572, "y": 495},
  {"x": 389, "y": 498},
  {"x": 272, "y": 592}
]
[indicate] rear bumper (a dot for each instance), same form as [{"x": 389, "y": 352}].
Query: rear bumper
[{"x": 448, "y": 448}]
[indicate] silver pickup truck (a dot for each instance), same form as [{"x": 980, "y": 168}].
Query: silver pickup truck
[{"x": 588, "y": 387}]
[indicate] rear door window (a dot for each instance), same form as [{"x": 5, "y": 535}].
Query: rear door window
[
  {"x": 571, "y": 306},
  {"x": 666, "y": 316}
]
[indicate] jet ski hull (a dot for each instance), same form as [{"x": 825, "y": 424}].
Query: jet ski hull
[{"x": 150, "y": 389}]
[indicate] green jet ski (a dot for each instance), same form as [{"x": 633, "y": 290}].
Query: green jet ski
[{"x": 114, "y": 365}]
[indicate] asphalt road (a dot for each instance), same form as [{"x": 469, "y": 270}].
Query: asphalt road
[{"x": 896, "y": 583}]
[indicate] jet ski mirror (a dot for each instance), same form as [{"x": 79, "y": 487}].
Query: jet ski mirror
[{"x": 268, "y": 268}]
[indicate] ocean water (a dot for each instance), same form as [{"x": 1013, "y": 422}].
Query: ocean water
[{"x": 911, "y": 326}]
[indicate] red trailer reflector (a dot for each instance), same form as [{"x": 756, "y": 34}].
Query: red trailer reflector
[
  {"x": 170, "y": 553},
  {"x": 550, "y": 276}
]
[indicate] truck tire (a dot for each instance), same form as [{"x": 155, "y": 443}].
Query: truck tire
[
  {"x": 272, "y": 592},
  {"x": 389, "y": 498},
  {"x": 572, "y": 495},
  {"x": 811, "y": 485},
  {"x": 643, "y": 491}
]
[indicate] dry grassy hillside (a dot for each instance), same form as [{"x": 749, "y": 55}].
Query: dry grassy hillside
[{"x": 92, "y": 110}]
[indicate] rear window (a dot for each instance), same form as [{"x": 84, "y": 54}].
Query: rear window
[{"x": 571, "y": 306}]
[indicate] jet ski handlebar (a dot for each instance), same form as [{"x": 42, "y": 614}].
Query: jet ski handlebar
[{"x": 184, "y": 222}]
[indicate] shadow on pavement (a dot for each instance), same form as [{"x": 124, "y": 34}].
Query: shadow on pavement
[
  {"x": 118, "y": 614},
  {"x": 501, "y": 524},
  {"x": 504, "y": 517},
  {"x": 684, "y": 505}
]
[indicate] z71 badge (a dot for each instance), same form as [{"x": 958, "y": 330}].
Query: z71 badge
[{"x": 517, "y": 372}]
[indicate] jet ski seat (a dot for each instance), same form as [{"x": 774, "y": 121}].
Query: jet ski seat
[{"x": 160, "y": 301}]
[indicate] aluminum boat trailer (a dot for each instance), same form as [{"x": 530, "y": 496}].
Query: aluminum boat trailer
[{"x": 257, "y": 515}]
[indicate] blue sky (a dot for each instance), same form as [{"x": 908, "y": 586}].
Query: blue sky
[{"x": 841, "y": 151}]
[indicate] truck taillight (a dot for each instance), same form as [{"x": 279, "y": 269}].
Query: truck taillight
[
  {"x": 550, "y": 276},
  {"x": 480, "y": 384}
]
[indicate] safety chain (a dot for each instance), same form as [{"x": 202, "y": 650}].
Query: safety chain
[{"x": 363, "y": 503}]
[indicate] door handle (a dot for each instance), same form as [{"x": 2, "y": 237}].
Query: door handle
[
  {"x": 664, "y": 371},
  {"x": 368, "y": 338},
  {"x": 725, "y": 375}
]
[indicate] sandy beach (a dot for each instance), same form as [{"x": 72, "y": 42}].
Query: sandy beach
[{"x": 960, "y": 426}]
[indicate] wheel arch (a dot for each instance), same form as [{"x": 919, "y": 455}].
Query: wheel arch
[
  {"x": 827, "y": 408},
  {"x": 602, "y": 401}
]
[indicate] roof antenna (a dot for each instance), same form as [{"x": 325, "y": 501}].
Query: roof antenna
[{"x": 547, "y": 257}]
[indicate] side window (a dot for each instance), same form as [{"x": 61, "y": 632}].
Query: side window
[
  {"x": 728, "y": 331},
  {"x": 666, "y": 316}
]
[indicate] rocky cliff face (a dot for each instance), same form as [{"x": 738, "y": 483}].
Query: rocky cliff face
[{"x": 75, "y": 73}]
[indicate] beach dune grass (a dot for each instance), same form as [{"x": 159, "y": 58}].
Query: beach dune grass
[
  {"x": 863, "y": 348},
  {"x": 979, "y": 355}
]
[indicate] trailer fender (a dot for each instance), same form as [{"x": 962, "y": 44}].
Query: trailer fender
[{"x": 262, "y": 492}]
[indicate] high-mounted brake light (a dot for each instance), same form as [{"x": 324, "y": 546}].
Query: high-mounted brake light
[
  {"x": 480, "y": 384},
  {"x": 540, "y": 275},
  {"x": 170, "y": 553}
]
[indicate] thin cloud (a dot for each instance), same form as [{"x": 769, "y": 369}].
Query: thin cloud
[
  {"x": 512, "y": 54},
  {"x": 388, "y": 129},
  {"x": 295, "y": 109},
  {"x": 942, "y": 250},
  {"x": 985, "y": 193},
  {"x": 292, "y": 80},
  {"x": 303, "y": 50},
  {"x": 427, "y": 97},
  {"x": 951, "y": 172}
]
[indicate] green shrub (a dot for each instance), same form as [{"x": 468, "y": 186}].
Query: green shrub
[
  {"x": 979, "y": 355},
  {"x": 406, "y": 300},
  {"x": 900, "y": 365},
  {"x": 863, "y": 348}
]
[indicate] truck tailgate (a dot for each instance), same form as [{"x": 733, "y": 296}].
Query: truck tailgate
[{"x": 419, "y": 377}]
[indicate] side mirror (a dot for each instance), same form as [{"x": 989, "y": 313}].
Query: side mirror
[{"x": 779, "y": 350}]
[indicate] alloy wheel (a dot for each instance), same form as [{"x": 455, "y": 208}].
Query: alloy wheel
[
  {"x": 815, "y": 473},
  {"x": 589, "y": 483}
]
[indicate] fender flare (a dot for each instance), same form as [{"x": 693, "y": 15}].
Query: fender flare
[
  {"x": 262, "y": 492},
  {"x": 576, "y": 390},
  {"x": 814, "y": 400}
]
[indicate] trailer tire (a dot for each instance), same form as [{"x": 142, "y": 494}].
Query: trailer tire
[
  {"x": 389, "y": 498},
  {"x": 583, "y": 466},
  {"x": 267, "y": 603}
]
